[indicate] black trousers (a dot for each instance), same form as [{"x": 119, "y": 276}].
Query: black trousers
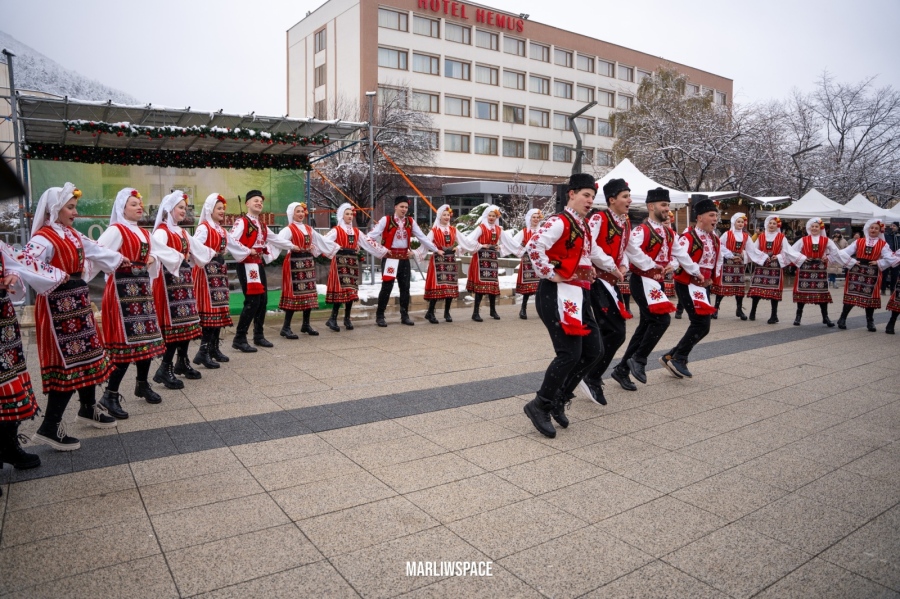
[
  {"x": 254, "y": 309},
  {"x": 650, "y": 329},
  {"x": 611, "y": 324},
  {"x": 403, "y": 275},
  {"x": 575, "y": 356},
  {"x": 697, "y": 329}
]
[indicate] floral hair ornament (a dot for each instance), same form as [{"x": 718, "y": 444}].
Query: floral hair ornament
[
  {"x": 76, "y": 193},
  {"x": 221, "y": 199},
  {"x": 136, "y": 194}
]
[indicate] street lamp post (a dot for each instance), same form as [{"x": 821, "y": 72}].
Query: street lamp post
[
  {"x": 370, "y": 96},
  {"x": 579, "y": 148}
]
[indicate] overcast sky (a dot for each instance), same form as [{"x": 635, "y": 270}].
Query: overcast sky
[{"x": 231, "y": 54}]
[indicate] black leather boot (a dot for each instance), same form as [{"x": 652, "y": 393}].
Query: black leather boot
[
  {"x": 889, "y": 329},
  {"x": 799, "y": 315},
  {"x": 447, "y": 303},
  {"x": 679, "y": 310},
  {"x": 331, "y": 323},
  {"x": 239, "y": 343},
  {"x": 183, "y": 365},
  {"x": 286, "y": 331},
  {"x": 560, "y": 403},
  {"x": 842, "y": 321},
  {"x": 95, "y": 415},
  {"x": 165, "y": 375},
  {"x": 143, "y": 390},
  {"x": 773, "y": 319},
  {"x": 111, "y": 401},
  {"x": 203, "y": 358},
  {"x": 538, "y": 411},
  {"x": 475, "y": 315},
  {"x": 11, "y": 451},
  {"x": 740, "y": 308},
  {"x": 825, "y": 320},
  {"x": 52, "y": 431},
  {"x": 348, "y": 324},
  {"x": 306, "y": 327},
  {"x": 429, "y": 316},
  {"x": 870, "y": 320},
  {"x": 493, "y": 302},
  {"x": 214, "y": 352},
  {"x": 405, "y": 319},
  {"x": 718, "y": 303},
  {"x": 523, "y": 311},
  {"x": 753, "y": 304},
  {"x": 259, "y": 338}
]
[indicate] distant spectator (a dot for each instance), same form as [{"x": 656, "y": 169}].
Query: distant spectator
[{"x": 834, "y": 269}]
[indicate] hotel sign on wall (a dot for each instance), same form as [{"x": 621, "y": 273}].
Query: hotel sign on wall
[{"x": 482, "y": 15}]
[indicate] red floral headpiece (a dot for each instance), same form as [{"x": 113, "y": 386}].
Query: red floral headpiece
[
  {"x": 76, "y": 193},
  {"x": 135, "y": 194},
  {"x": 221, "y": 199}
]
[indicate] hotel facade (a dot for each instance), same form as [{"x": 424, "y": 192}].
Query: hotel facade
[{"x": 499, "y": 87}]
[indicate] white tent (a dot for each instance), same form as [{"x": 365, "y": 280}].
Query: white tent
[
  {"x": 860, "y": 209},
  {"x": 639, "y": 183},
  {"x": 811, "y": 205}
]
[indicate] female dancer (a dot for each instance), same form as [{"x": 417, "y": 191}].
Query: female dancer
[
  {"x": 298, "y": 275},
  {"x": 491, "y": 242},
  {"x": 814, "y": 252},
  {"x": 767, "y": 281},
  {"x": 441, "y": 282},
  {"x": 173, "y": 293},
  {"x": 130, "y": 326},
  {"x": 17, "y": 402},
  {"x": 211, "y": 281},
  {"x": 343, "y": 278},
  {"x": 893, "y": 304},
  {"x": 527, "y": 281},
  {"x": 866, "y": 258},
  {"x": 71, "y": 353},
  {"x": 669, "y": 277},
  {"x": 738, "y": 250}
]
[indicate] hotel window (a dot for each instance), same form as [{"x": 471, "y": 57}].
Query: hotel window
[
  {"x": 392, "y": 59},
  {"x": 641, "y": 75},
  {"x": 584, "y": 94},
  {"x": 456, "y": 142},
  {"x": 321, "y": 74},
  {"x": 513, "y": 80},
  {"x": 320, "y": 39},
  {"x": 430, "y": 138},
  {"x": 321, "y": 110},
  {"x": 427, "y": 27},
  {"x": 562, "y": 153},
  {"x": 457, "y": 70},
  {"x": 539, "y": 85},
  {"x": 585, "y": 63},
  {"x": 487, "y": 75},
  {"x": 588, "y": 156},
  {"x": 562, "y": 58},
  {"x": 430, "y": 65},
  {"x": 540, "y": 52},
  {"x": 488, "y": 111},
  {"x": 515, "y": 46},
  {"x": 486, "y": 39},
  {"x": 392, "y": 95},
  {"x": 458, "y": 33},
  {"x": 426, "y": 102},
  {"x": 538, "y": 151},
  {"x": 721, "y": 98},
  {"x": 513, "y": 148},
  {"x": 539, "y": 118},
  {"x": 585, "y": 124},
  {"x": 626, "y": 73},
  {"x": 604, "y": 128},
  {"x": 606, "y": 98},
  {"x": 606, "y": 68},
  {"x": 561, "y": 121},
  {"x": 692, "y": 90},
  {"x": 486, "y": 145},
  {"x": 604, "y": 158},
  {"x": 625, "y": 102},
  {"x": 391, "y": 19},
  {"x": 562, "y": 89},
  {"x": 514, "y": 114},
  {"x": 456, "y": 106}
]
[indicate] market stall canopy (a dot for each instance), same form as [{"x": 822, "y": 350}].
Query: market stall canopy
[
  {"x": 860, "y": 209},
  {"x": 760, "y": 201},
  {"x": 82, "y": 131},
  {"x": 639, "y": 183},
  {"x": 811, "y": 205}
]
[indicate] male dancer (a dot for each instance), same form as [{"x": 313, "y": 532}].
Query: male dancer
[
  {"x": 610, "y": 229},
  {"x": 563, "y": 252},
  {"x": 393, "y": 232},
  {"x": 656, "y": 242},
  {"x": 693, "y": 279},
  {"x": 251, "y": 272}
]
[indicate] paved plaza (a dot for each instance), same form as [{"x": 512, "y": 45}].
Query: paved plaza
[{"x": 322, "y": 467}]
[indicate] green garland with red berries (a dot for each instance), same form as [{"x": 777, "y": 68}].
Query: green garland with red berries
[
  {"x": 171, "y": 132},
  {"x": 166, "y": 158}
]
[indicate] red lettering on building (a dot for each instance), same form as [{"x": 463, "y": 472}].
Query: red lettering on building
[
  {"x": 479, "y": 15},
  {"x": 446, "y": 4},
  {"x": 423, "y": 4},
  {"x": 462, "y": 14},
  {"x": 501, "y": 21},
  {"x": 520, "y": 25},
  {"x": 436, "y": 5},
  {"x": 454, "y": 9},
  {"x": 488, "y": 17}
]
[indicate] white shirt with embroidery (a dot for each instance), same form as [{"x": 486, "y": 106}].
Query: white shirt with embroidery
[{"x": 551, "y": 231}]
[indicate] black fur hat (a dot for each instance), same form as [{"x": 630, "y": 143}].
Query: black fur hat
[
  {"x": 253, "y": 193},
  {"x": 582, "y": 181},
  {"x": 701, "y": 204},
  {"x": 614, "y": 187},
  {"x": 657, "y": 195},
  {"x": 400, "y": 200}
]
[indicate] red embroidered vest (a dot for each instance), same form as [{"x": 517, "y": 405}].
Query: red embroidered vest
[
  {"x": 869, "y": 253},
  {"x": 68, "y": 255},
  {"x": 302, "y": 239},
  {"x": 653, "y": 245},
  {"x": 696, "y": 254},
  {"x": 817, "y": 253},
  {"x": 345, "y": 240},
  {"x": 733, "y": 244},
  {"x": 391, "y": 228},
  {"x": 249, "y": 238},
  {"x": 611, "y": 238},
  {"x": 565, "y": 254},
  {"x": 214, "y": 240},
  {"x": 179, "y": 243},
  {"x": 489, "y": 237},
  {"x": 134, "y": 248},
  {"x": 444, "y": 240}
]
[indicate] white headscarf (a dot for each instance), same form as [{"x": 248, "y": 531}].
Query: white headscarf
[
  {"x": 868, "y": 224},
  {"x": 487, "y": 211},
  {"x": 206, "y": 212},
  {"x": 734, "y": 218},
  {"x": 814, "y": 220},
  {"x": 437, "y": 217},
  {"x": 290, "y": 211},
  {"x": 165, "y": 210},
  {"x": 51, "y": 201},
  {"x": 340, "y": 213},
  {"x": 118, "y": 210},
  {"x": 528, "y": 216},
  {"x": 766, "y": 222}
]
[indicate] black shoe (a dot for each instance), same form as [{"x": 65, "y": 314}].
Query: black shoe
[
  {"x": 203, "y": 358},
  {"x": 752, "y": 315},
  {"x": 666, "y": 361},
  {"x": 740, "y": 314},
  {"x": 538, "y": 410},
  {"x": 870, "y": 325},
  {"x": 447, "y": 317},
  {"x": 12, "y": 453},
  {"x": 215, "y": 353},
  {"x": 405, "y": 319},
  {"x": 165, "y": 375},
  {"x": 348, "y": 324},
  {"x": 828, "y": 322},
  {"x": 262, "y": 342},
  {"x": 184, "y": 368},
  {"x": 143, "y": 390},
  {"x": 311, "y": 331},
  {"x": 55, "y": 436},
  {"x": 523, "y": 314},
  {"x": 332, "y": 325},
  {"x": 379, "y": 320},
  {"x": 681, "y": 367},
  {"x": 429, "y": 316},
  {"x": 477, "y": 317},
  {"x": 637, "y": 370},
  {"x": 715, "y": 315},
  {"x": 678, "y": 314},
  {"x": 593, "y": 391},
  {"x": 772, "y": 320},
  {"x": 623, "y": 379},
  {"x": 558, "y": 411},
  {"x": 288, "y": 334},
  {"x": 111, "y": 400},
  {"x": 842, "y": 323},
  {"x": 240, "y": 344},
  {"x": 96, "y": 416},
  {"x": 494, "y": 315}
]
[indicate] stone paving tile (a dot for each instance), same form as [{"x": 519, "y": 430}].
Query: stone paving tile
[
  {"x": 668, "y": 472},
  {"x": 290, "y": 473},
  {"x": 729, "y": 494},
  {"x": 723, "y": 451},
  {"x": 617, "y": 453},
  {"x": 601, "y": 497},
  {"x": 319, "y": 579},
  {"x": 549, "y": 473},
  {"x": 783, "y": 468},
  {"x": 325, "y": 496},
  {"x": 464, "y": 498},
  {"x": 656, "y": 580},
  {"x": 150, "y": 472},
  {"x": 469, "y": 435},
  {"x": 54, "y": 489},
  {"x": 872, "y": 550},
  {"x": 200, "y": 490},
  {"x": 673, "y": 435},
  {"x": 277, "y": 450},
  {"x": 881, "y": 464},
  {"x": 426, "y": 472},
  {"x": 509, "y": 452},
  {"x": 853, "y": 493},
  {"x": 820, "y": 579}
]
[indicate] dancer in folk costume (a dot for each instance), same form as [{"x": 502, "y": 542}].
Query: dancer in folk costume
[
  {"x": 298, "y": 274},
  {"x": 625, "y": 292},
  {"x": 564, "y": 255},
  {"x": 893, "y": 304},
  {"x": 669, "y": 278},
  {"x": 211, "y": 280},
  {"x": 262, "y": 245},
  {"x": 176, "y": 304},
  {"x": 866, "y": 259},
  {"x": 767, "y": 281},
  {"x": 131, "y": 331},
  {"x": 737, "y": 250},
  {"x": 343, "y": 277},
  {"x": 441, "y": 282},
  {"x": 527, "y": 280},
  {"x": 492, "y": 243},
  {"x": 692, "y": 280},
  {"x": 814, "y": 252},
  {"x": 72, "y": 355},
  {"x": 17, "y": 401}
]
